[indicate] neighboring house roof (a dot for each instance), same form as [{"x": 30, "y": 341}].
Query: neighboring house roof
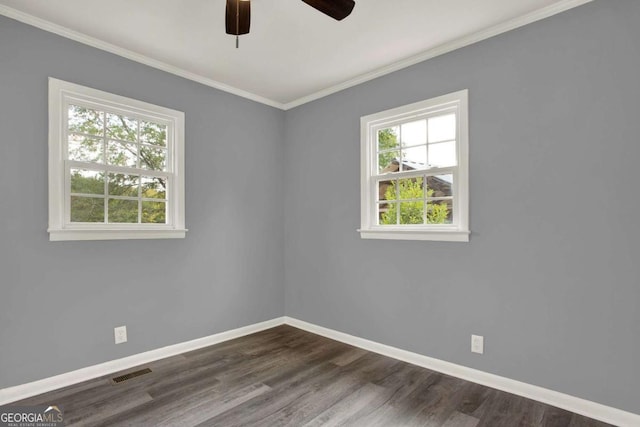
[
  {"x": 394, "y": 166},
  {"x": 411, "y": 165}
]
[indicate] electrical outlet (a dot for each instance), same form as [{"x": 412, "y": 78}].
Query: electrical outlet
[
  {"x": 477, "y": 344},
  {"x": 120, "y": 334}
]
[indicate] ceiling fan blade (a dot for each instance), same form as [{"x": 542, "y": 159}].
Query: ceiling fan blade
[
  {"x": 337, "y": 9},
  {"x": 238, "y": 17}
]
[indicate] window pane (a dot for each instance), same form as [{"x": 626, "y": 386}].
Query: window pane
[
  {"x": 388, "y": 162},
  {"x": 123, "y": 211},
  {"x": 86, "y": 120},
  {"x": 85, "y": 148},
  {"x": 153, "y": 133},
  {"x": 410, "y": 188},
  {"x": 414, "y": 158},
  {"x": 121, "y": 127},
  {"x": 442, "y": 128},
  {"x": 442, "y": 154},
  {"x": 387, "y": 213},
  {"x": 439, "y": 212},
  {"x": 154, "y": 212},
  {"x": 388, "y": 139},
  {"x": 387, "y": 190},
  {"x": 153, "y": 158},
  {"x": 412, "y": 212},
  {"x": 154, "y": 188},
  {"x": 87, "y": 181},
  {"x": 414, "y": 133},
  {"x": 87, "y": 209},
  {"x": 122, "y": 154},
  {"x": 123, "y": 185},
  {"x": 439, "y": 185}
]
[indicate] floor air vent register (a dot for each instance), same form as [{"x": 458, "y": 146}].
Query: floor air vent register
[{"x": 122, "y": 378}]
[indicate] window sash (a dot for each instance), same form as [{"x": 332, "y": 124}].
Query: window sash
[
  {"x": 376, "y": 178},
  {"x": 105, "y": 108},
  {"x": 107, "y": 168},
  {"x": 70, "y": 164},
  {"x": 375, "y": 198}
]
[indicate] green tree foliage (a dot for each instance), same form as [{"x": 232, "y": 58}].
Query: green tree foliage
[
  {"x": 412, "y": 212},
  {"x": 87, "y": 209},
  {"x": 387, "y": 140},
  {"x": 123, "y": 211},
  {"x": 153, "y": 212},
  {"x": 127, "y": 140},
  {"x": 437, "y": 213}
]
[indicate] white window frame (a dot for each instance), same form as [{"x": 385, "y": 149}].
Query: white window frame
[
  {"x": 61, "y": 94},
  {"x": 458, "y": 231}
]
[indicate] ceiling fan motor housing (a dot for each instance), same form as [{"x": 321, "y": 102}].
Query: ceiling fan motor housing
[{"x": 238, "y": 17}]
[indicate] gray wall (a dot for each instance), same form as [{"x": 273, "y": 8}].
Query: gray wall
[
  {"x": 59, "y": 301},
  {"x": 551, "y": 275}
]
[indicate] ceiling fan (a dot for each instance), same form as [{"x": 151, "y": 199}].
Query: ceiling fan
[{"x": 238, "y": 13}]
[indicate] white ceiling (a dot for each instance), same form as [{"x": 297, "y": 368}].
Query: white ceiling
[{"x": 293, "y": 53}]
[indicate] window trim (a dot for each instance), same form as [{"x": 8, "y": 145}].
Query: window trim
[
  {"x": 60, "y": 229},
  {"x": 457, "y": 232}
]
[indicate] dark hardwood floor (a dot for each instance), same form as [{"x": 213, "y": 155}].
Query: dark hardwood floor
[{"x": 285, "y": 376}]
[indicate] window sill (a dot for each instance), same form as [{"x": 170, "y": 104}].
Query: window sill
[
  {"x": 433, "y": 235},
  {"x": 56, "y": 235}
]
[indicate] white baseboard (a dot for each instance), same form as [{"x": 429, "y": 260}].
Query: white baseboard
[
  {"x": 19, "y": 392},
  {"x": 560, "y": 400},
  {"x": 564, "y": 401}
]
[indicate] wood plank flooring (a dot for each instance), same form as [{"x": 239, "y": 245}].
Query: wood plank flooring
[{"x": 288, "y": 377}]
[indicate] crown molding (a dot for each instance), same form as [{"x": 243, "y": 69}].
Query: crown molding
[
  {"x": 134, "y": 56},
  {"x": 467, "y": 40},
  {"x": 407, "y": 62}
]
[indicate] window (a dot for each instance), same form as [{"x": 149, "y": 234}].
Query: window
[
  {"x": 116, "y": 166},
  {"x": 415, "y": 171}
]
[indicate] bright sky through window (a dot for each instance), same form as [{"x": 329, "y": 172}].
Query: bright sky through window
[{"x": 423, "y": 143}]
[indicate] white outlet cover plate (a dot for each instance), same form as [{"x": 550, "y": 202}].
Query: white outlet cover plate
[
  {"x": 477, "y": 344},
  {"x": 120, "y": 334}
]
